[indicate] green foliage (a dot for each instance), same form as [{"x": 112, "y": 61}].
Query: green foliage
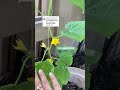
[
  {"x": 65, "y": 58},
  {"x": 60, "y": 71},
  {"x": 103, "y": 16},
  {"x": 62, "y": 74},
  {"x": 23, "y": 86},
  {"x": 79, "y": 3},
  {"x": 46, "y": 66},
  {"x": 75, "y": 30}
]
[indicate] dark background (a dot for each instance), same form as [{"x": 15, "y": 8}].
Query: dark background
[{"x": 16, "y": 22}]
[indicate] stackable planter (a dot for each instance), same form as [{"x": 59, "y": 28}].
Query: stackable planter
[{"x": 77, "y": 76}]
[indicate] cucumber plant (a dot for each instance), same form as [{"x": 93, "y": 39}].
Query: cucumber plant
[{"x": 74, "y": 30}]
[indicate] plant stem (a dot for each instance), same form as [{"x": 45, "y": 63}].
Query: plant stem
[
  {"x": 21, "y": 70},
  {"x": 55, "y": 58},
  {"x": 44, "y": 55},
  {"x": 49, "y": 29},
  {"x": 49, "y": 14},
  {"x": 50, "y": 7},
  {"x": 49, "y": 54},
  {"x": 49, "y": 51},
  {"x": 39, "y": 11}
]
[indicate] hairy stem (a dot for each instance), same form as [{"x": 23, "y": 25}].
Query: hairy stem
[
  {"x": 50, "y": 7},
  {"x": 21, "y": 70},
  {"x": 49, "y": 29},
  {"x": 49, "y": 14},
  {"x": 39, "y": 11},
  {"x": 49, "y": 51},
  {"x": 44, "y": 54}
]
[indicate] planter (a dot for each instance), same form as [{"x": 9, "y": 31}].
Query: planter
[{"x": 77, "y": 76}]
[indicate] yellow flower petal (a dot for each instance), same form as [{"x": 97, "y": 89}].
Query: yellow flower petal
[
  {"x": 55, "y": 41},
  {"x": 50, "y": 60},
  {"x": 43, "y": 45},
  {"x": 20, "y": 45}
]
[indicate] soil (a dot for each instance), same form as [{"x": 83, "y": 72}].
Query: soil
[{"x": 71, "y": 86}]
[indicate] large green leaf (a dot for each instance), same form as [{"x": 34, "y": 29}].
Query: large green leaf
[
  {"x": 75, "y": 30},
  {"x": 103, "y": 16},
  {"x": 79, "y": 3},
  {"x": 62, "y": 74},
  {"x": 66, "y": 59},
  {"x": 46, "y": 66},
  {"x": 23, "y": 86}
]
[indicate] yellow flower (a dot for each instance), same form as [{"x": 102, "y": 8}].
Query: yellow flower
[
  {"x": 20, "y": 45},
  {"x": 55, "y": 41},
  {"x": 43, "y": 45},
  {"x": 50, "y": 60}
]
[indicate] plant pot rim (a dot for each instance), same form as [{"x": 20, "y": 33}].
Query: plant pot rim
[{"x": 77, "y": 76}]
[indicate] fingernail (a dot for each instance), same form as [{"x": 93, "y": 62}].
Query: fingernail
[
  {"x": 50, "y": 74},
  {"x": 40, "y": 71}
]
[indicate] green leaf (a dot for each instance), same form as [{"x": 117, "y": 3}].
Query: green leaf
[
  {"x": 9, "y": 87},
  {"x": 79, "y": 3},
  {"x": 66, "y": 59},
  {"x": 23, "y": 86},
  {"x": 75, "y": 30},
  {"x": 46, "y": 66},
  {"x": 62, "y": 74},
  {"x": 103, "y": 16}
]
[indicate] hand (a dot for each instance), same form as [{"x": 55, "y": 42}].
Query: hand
[{"x": 43, "y": 84}]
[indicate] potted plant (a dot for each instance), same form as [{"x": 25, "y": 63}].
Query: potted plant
[{"x": 60, "y": 65}]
